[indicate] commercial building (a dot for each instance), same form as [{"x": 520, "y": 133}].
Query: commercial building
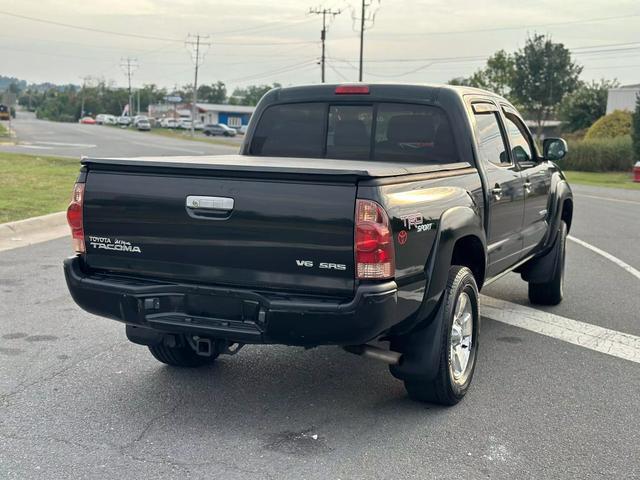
[
  {"x": 623, "y": 98},
  {"x": 233, "y": 116}
]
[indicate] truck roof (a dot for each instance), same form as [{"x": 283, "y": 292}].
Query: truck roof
[{"x": 386, "y": 90}]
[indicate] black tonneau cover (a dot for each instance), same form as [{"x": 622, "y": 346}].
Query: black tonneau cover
[{"x": 279, "y": 165}]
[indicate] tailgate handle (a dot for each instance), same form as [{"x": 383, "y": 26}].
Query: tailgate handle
[
  {"x": 209, "y": 208},
  {"x": 198, "y": 202}
]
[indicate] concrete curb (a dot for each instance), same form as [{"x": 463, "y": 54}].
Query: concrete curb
[{"x": 33, "y": 230}]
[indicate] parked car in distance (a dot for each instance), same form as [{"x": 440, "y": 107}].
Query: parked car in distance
[
  {"x": 219, "y": 129},
  {"x": 242, "y": 130},
  {"x": 164, "y": 122},
  {"x": 184, "y": 124},
  {"x": 139, "y": 118},
  {"x": 124, "y": 121},
  {"x": 100, "y": 118},
  {"x": 87, "y": 121},
  {"x": 198, "y": 126},
  {"x": 143, "y": 125},
  {"x": 362, "y": 216},
  {"x": 110, "y": 120}
]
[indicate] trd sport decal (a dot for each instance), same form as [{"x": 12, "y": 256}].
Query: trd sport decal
[
  {"x": 416, "y": 220},
  {"x": 106, "y": 243}
]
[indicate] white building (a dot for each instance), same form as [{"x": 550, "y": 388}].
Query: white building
[{"x": 623, "y": 98}]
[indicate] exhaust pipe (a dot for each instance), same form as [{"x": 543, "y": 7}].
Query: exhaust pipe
[{"x": 387, "y": 356}]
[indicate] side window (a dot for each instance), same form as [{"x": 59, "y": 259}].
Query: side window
[
  {"x": 491, "y": 145},
  {"x": 519, "y": 139}
]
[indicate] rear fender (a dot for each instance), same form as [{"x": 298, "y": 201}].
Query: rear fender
[{"x": 421, "y": 345}]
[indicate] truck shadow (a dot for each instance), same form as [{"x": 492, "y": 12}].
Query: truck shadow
[{"x": 275, "y": 399}]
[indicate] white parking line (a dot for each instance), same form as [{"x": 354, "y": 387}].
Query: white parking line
[
  {"x": 608, "y": 199},
  {"x": 608, "y": 256},
  {"x": 599, "y": 339}
]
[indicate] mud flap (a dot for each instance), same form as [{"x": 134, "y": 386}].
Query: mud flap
[
  {"x": 420, "y": 351},
  {"x": 541, "y": 269}
]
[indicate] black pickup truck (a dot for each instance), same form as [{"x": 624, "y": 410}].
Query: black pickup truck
[{"x": 364, "y": 216}]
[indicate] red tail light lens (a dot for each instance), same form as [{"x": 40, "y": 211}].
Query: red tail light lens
[
  {"x": 352, "y": 90},
  {"x": 75, "y": 218},
  {"x": 373, "y": 242}
]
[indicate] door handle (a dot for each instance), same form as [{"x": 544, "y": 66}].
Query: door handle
[
  {"x": 527, "y": 186},
  {"x": 497, "y": 192}
]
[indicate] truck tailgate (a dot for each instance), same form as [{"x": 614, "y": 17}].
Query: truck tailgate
[{"x": 284, "y": 234}]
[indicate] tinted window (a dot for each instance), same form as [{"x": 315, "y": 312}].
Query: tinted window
[
  {"x": 413, "y": 133},
  {"x": 403, "y": 132},
  {"x": 491, "y": 145},
  {"x": 519, "y": 139},
  {"x": 292, "y": 130},
  {"x": 349, "y": 132}
]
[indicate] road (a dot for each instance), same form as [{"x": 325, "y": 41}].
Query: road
[
  {"x": 74, "y": 140},
  {"x": 78, "y": 401}
]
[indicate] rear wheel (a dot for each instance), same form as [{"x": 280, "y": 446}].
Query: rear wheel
[
  {"x": 181, "y": 355},
  {"x": 552, "y": 291},
  {"x": 459, "y": 343}
]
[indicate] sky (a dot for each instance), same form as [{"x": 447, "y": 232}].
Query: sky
[{"x": 250, "y": 42}]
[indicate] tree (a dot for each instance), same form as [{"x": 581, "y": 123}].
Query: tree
[
  {"x": 250, "y": 95},
  {"x": 544, "y": 74},
  {"x": 635, "y": 131},
  {"x": 214, "y": 93},
  {"x": 496, "y": 76},
  {"x": 582, "y": 107}
]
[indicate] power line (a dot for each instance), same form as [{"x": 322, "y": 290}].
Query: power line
[
  {"x": 323, "y": 33},
  {"x": 198, "y": 48},
  {"x": 516, "y": 27},
  {"x": 87, "y": 29}
]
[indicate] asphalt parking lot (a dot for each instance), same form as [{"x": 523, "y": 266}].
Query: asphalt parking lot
[
  {"x": 78, "y": 401},
  {"x": 73, "y": 140}
]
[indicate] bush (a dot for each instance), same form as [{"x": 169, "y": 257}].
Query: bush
[
  {"x": 635, "y": 134},
  {"x": 616, "y": 124},
  {"x": 599, "y": 155}
]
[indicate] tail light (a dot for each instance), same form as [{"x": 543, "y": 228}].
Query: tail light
[
  {"x": 75, "y": 217},
  {"x": 373, "y": 242}
]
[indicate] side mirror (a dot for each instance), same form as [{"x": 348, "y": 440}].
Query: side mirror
[{"x": 554, "y": 149}]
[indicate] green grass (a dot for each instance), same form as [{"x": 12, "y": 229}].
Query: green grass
[
  {"x": 33, "y": 185},
  {"x": 4, "y": 131},
  {"x": 608, "y": 179},
  {"x": 196, "y": 138}
]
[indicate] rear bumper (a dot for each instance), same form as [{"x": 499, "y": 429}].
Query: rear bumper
[{"x": 239, "y": 315}]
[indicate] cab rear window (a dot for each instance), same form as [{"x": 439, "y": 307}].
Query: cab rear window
[{"x": 383, "y": 131}]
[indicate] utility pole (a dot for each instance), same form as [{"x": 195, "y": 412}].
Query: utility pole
[
  {"x": 366, "y": 21},
  {"x": 323, "y": 33},
  {"x": 129, "y": 65},
  {"x": 196, "y": 46},
  {"x": 364, "y": 7}
]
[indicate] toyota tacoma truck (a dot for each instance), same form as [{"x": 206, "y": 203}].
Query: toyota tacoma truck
[{"x": 362, "y": 216}]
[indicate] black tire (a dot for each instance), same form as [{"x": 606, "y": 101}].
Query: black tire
[
  {"x": 551, "y": 292},
  {"x": 446, "y": 388},
  {"x": 180, "y": 356}
]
